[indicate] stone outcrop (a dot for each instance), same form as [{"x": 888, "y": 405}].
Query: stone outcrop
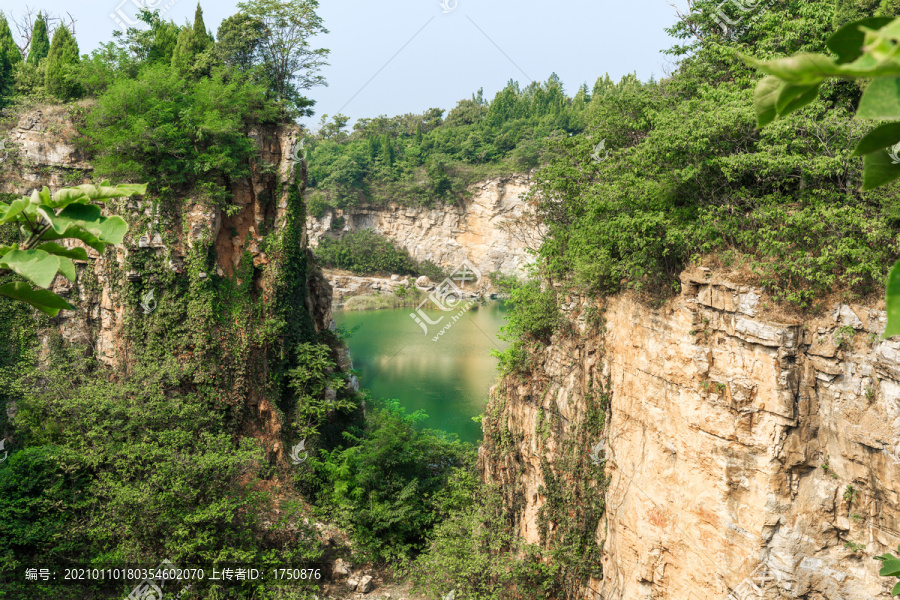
[
  {"x": 491, "y": 229},
  {"x": 740, "y": 448},
  {"x": 40, "y": 150}
]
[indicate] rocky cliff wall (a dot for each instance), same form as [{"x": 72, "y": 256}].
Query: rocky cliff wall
[
  {"x": 739, "y": 449},
  {"x": 40, "y": 149},
  {"x": 489, "y": 229}
]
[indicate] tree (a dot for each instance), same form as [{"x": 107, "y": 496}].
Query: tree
[
  {"x": 192, "y": 43},
  {"x": 289, "y": 62},
  {"x": 40, "y": 41},
  {"x": 44, "y": 220},
  {"x": 240, "y": 36},
  {"x": 63, "y": 56},
  {"x": 202, "y": 38},
  {"x": 9, "y": 58},
  {"x": 387, "y": 151}
]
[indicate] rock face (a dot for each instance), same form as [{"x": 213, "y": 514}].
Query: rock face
[
  {"x": 40, "y": 150},
  {"x": 491, "y": 230},
  {"x": 740, "y": 449}
]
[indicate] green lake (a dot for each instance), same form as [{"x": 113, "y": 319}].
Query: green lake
[{"x": 449, "y": 378}]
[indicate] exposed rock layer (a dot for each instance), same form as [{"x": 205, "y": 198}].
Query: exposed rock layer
[
  {"x": 735, "y": 444},
  {"x": 489, "y": 230}
]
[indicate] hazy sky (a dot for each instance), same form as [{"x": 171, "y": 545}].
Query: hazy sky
[{"x": 398, "y": 56}]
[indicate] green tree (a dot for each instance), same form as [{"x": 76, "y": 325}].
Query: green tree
[
  {"x": 191, "y": 44},
  {"x": 40, "y": 41},
  {"x": 9, "y": 58},
  {"x": 240, "y": 36},
  {"x": 59, "y": 74},
  {"x": 289, "y": 62},
  {"x": 387, "y": 151}
]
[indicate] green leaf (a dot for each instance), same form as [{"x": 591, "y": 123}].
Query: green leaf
[
  {"x": 89, "y": 239},
  {"x": 879, "y": 100},
  {"x": 807, "y": 69},
  {"x": 43, "y": 300},
  {"x": 67, "y": 268},
  {"x": 110, "y": 230},
  {"x": 764, "y": 99},
  {"x": 847, "y": 42},
  {"x": 887, "y": 134},
  {"x": 890, "y": 568},
  {"x": 60, "y": 250},
  {"x": 35, "y": 265},
  {"x": 793, "y": 97},
  {"x": 102, "y": 192},
  {"x": 879, "y": 169},
  {"x": 892, "y": 301},
  {"x": 896, "y": 590},
  {"x": 14, "y": 209}
]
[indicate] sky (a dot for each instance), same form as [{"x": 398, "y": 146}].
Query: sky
[{"x": 404, "y": 56}]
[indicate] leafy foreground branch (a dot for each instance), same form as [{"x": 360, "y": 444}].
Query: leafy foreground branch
[{"x": 43, "y": 221}]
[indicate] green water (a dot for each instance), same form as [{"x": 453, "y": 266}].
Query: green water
[{"x": 449, "y": 378}]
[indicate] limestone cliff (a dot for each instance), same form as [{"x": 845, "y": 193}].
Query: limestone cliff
[
  {"x": 488, "y": 229},
  {"x": 41, "y": 149},
  {"x": 736, "y": 445}
]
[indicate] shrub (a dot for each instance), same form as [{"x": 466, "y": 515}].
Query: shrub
[{"x": 365, "y": 252}]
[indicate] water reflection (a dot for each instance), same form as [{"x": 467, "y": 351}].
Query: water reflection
[{"x": 449, "y": 378}]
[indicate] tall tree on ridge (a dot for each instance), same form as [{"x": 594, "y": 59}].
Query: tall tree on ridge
[
  {"x": 63, "y": 55},
  {"x": 40, "y": 41}
]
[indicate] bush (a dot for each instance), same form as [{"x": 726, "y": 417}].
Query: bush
[
  {"x": 533, "y": 318},
  {"x": 365, "y": 252},
  {"x": 389, "y": 487}
]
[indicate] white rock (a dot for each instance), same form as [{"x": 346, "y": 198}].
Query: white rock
[{"x": 365, "y": 585}]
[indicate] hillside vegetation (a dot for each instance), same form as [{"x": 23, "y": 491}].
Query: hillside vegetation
[{"x": 159, "y": 457}]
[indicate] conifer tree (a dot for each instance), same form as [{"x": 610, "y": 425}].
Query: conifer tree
[
  {"x": 387, "y": 151},
  {"x": 202, "y": 39},
  {"x": 182, "y": 56},
  {"x": 9, "y": 58},
  {"x": 192, "y": 41},
  {"x": 63, "y": 55},
  {"x": 418, "y": 132},
  {"x": 40, "y": 41}
]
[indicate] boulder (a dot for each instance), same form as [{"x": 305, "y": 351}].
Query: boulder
[
  {"x": 395, "y": 278},
  {"x": 340, "y": 569},
  {"x": 365, "y": 585},
  {"x": 423, "y": 281}
]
